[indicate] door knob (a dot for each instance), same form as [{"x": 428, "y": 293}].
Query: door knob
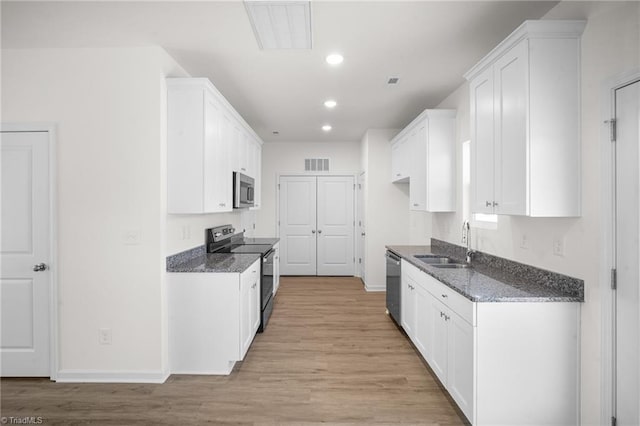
[
  {"x": 313, "y": 231},
  {"x": 362, "y": 234},
  {"x": 488, "y": 203},
  {"x": 319, "y": 231},
  {"x": 39, "y": 267}
]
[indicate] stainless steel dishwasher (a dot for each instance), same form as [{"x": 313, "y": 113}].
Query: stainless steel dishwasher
[{"x": 393, "y": 286}]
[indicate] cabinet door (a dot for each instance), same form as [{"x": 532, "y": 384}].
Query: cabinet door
[
  {"x": 257, "y": 172},
  {"x": 511, "y": 110},
  {"x": 400, "y": 161},
  {"x": 250, "y": 159},
  {"x": 408, "y": 310},
  {"x": 255, "y": 302},
  {"x": 423, "y": 320},
  {"x": 482, "y": 149},
  {"x": 396, "y": 161},
  {"x": 418, "y": 174},
  {"x": 245, "y": 313},
  {"x": 217, "y": 173},
  {"x": 437, "y": 349},
  {"x": 238, "y": 148},
  {"x": 460, "y": 362}
]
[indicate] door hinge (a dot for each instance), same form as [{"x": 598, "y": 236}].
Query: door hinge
[
  {"x": 614, "y": 278},
  {"x": 360, "y": 260},
  {"x": 614, "y": 421},
  {"x": 613, "y": 129},
  {"x": 278, "y": 186}
]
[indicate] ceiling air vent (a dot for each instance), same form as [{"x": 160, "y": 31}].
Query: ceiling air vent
[
  {"x": 281, "y": 24},
  {"x": 316, "y": 164},
  {"x": 393, "y": 80}
]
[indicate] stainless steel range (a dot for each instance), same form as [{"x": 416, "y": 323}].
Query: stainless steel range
[{"x": 224, "y": 239}]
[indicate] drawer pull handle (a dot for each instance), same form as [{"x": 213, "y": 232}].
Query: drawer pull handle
[{"x": 444, "y": 295}]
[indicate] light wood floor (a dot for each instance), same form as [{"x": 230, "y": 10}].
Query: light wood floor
[{"x": 329, "y": 355}]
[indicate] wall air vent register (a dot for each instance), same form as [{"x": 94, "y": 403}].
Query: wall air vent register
[{"x": 316, "y": 165}]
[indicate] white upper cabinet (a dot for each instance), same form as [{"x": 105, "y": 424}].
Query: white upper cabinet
[
  {"x": 257, "y": 171},
  {"x": 198, "y": 172},
  {"x": 525, "y": 123},
  {"x": 206, "y": 141},
  {"x": 429, "y": 144},
  {"x": 400, "y": 160}
]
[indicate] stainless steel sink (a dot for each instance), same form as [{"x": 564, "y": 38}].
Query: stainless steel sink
[
  {"x": 432, "y": 260},
  {"x": 451, "y": 265}
]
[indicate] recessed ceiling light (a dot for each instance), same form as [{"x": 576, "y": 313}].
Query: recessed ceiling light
[
  {"x": 330, "y": 103},
  {"x": 326, "y": 127},
  {"x": 334, "y": 59}
]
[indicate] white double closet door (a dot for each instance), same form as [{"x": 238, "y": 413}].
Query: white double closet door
[{"x": 316, "y": 225}]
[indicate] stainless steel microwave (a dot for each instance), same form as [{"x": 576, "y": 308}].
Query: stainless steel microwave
[{"x": 243, "y": 190}]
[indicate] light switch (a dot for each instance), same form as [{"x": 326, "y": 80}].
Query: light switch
[{"x": 131, "y": 237}]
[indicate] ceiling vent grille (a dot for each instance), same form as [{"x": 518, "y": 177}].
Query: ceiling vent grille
[
  {"x": 393, "y": 80},
  {"x": 316, "y": 164},
  {"x": 281, "y": 24}
]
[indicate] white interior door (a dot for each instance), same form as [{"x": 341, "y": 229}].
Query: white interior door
[
  {"x": 336, "y": 225},
  {"x": 24, "y": 292},
  {"x": 361, "y": 232},
  {"x": 627, "y": 317},
  {"x": 298, "y": 225}
]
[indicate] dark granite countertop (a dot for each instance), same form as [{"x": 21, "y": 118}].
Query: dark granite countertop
[
  {"x": 197, "y": 260},
  {"x": 485, "y": 282},
  {"x": 216, "y": 262}
]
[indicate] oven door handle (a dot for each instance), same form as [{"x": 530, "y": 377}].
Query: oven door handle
[{"x": 267, "y": 255}]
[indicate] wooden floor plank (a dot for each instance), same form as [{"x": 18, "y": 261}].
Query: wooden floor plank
[{"x": 330, "y": 354}]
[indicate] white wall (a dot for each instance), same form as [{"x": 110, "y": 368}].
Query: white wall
[
  {"x": 288, "y": 157},
  {"x": 610, "y": 46},
  {"x": 110, "y": 109},
  {"x": 107, "y": 107},
  {"x": 387, "y": 220}
]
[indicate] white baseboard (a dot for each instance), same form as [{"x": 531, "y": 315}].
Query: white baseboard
[
  {"x": 97, "y": 376},
  {"x": 372, "y": 288}
]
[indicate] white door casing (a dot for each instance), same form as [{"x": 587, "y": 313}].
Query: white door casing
[
  {"x": 26, "y": 237},
  {"x": 336, "y": 225},
  {"x": 298, "y": 225},
  {"x": 627, "y": 256},
  {"x": 361, "y": 233}
]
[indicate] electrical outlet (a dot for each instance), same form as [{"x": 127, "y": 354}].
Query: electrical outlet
[
  {"x": 558, "y": 246},
  {"x": 524, "y": 242},
  {"x": 186, "y": 232},
  {"x": 104, "y": 336}
]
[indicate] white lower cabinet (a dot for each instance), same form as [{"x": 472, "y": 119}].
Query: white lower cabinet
[
  {"x": 213, "y": 318},
  {"x": 509, "y": 363}
]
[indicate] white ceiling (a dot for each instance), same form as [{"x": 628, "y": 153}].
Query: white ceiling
[{"x": 428, "y": 44}]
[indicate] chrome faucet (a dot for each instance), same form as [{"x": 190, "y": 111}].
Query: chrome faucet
[{"x": 466, "y": 237}]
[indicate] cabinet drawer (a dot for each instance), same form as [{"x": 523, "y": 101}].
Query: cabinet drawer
[
  {"x": 251, "y": 274},
  {"x": 453, "y": 300},
  {"x": 416, "y": 274}
]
